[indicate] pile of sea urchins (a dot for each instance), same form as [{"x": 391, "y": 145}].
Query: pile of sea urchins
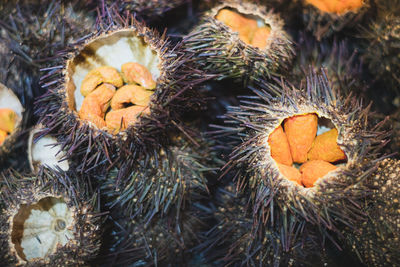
[{"x": 200, "y": 133}]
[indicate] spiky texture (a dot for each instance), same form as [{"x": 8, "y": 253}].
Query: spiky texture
[
  {"x": 81, "y": 201},
  {"x": 148, "y": 10},
  {"x": 170, "y": 179},
  {"x": 377, "y": 240},
  {"x": 340, "y": 59},
  {"x": 162, "y": 242},
  {"x": 35, "y": 30},
  {"x": 97, "y": 147},
  {"x": 324, "y": 24},
  {"x": 219, "y": 50},
  {"x": 237, "y": 240},
  {"x": 382, "y": 49},
  {"x": 334, "y": 200}
]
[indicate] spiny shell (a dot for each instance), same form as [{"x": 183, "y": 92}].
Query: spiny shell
[
  {"x": 218, "y": 49},
  {"x": 336, "y": 198},
  {"x": 19, "y": 197},
  {"x": 98, "y": 148}
]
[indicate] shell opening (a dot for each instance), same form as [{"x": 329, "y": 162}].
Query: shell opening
[
  {"x": 305, "y": 149},
  {"x": 40, "y": 228},
  {"x": 120, "y": 68},
  {"x": 338, "y": 7},
  {"x": 10, "y": 112},
  {"x": 252, "y": 29}
]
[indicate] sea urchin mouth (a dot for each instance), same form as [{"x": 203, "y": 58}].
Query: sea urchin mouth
[
  {"x": 305, "y": 149},
  {"x": 40, "y": 228},
  {"x": 102, "y": 72},
  {"x": 338, "y": 7}
]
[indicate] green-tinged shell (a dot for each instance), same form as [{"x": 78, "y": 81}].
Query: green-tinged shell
[
  {"x": 97, "y": 147},
  {"x": 34, "y": 30},
  {"x": 340, "y": 59},
  {"x": 161, "y": 242},
  {"x": 49, "y": 219},
  {"x": 219, "y": 50},
  {"x": 336, "y": 198},
  {"x": 169, "y": 179},
  {"x": 323, "y": 24},
  {"x": 237, "y": 240},
  {"x": 381, "y": 40},
  {"x": 376, "y": 241}
]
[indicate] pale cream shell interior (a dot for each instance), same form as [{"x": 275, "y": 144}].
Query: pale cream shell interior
[
  {"x": 112, "y": 50},
  {"x": 46, "y": 152},
  {"x": 42, "y": 227}
]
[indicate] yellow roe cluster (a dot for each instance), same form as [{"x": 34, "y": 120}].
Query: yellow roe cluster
[
  {"x": 297, "y": 142},
  {"x": 115, "y": 100},
  {"x": 249, "y": 31},
  {"x": 8, "y": 120}
]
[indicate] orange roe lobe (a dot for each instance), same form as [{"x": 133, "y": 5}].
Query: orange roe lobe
[
  {"x": 301, "y": 131},
  {"x": 312, "y": 170},
  {"x": 261, "y": 37},
  {"x": 121, "y": 119},
  {"x": 104, "y": 74},
  {"x": 247, "y": 28},
  {"x": 96, "y": 103},
  {"x": 130, "y": 94},
  {"x": 290, "y": 173},
  {"x": 237, "y": 22},
  {"x": 3, "y": 136},
  {"x": 325, "y": 147},
  {"x": 136, "y": 73},
  {"x": 279, "y": 145},
  {"x": 336, "y": 6}
]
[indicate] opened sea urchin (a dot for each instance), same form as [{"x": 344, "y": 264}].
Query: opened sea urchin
[
  {"x": 240, "y": 40},
  {"x": 92, "y": 71},
  {"x": 317, "y": 193},
  {"x": 324, "y": 17},
  {"x": 48, "y": 219}
]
